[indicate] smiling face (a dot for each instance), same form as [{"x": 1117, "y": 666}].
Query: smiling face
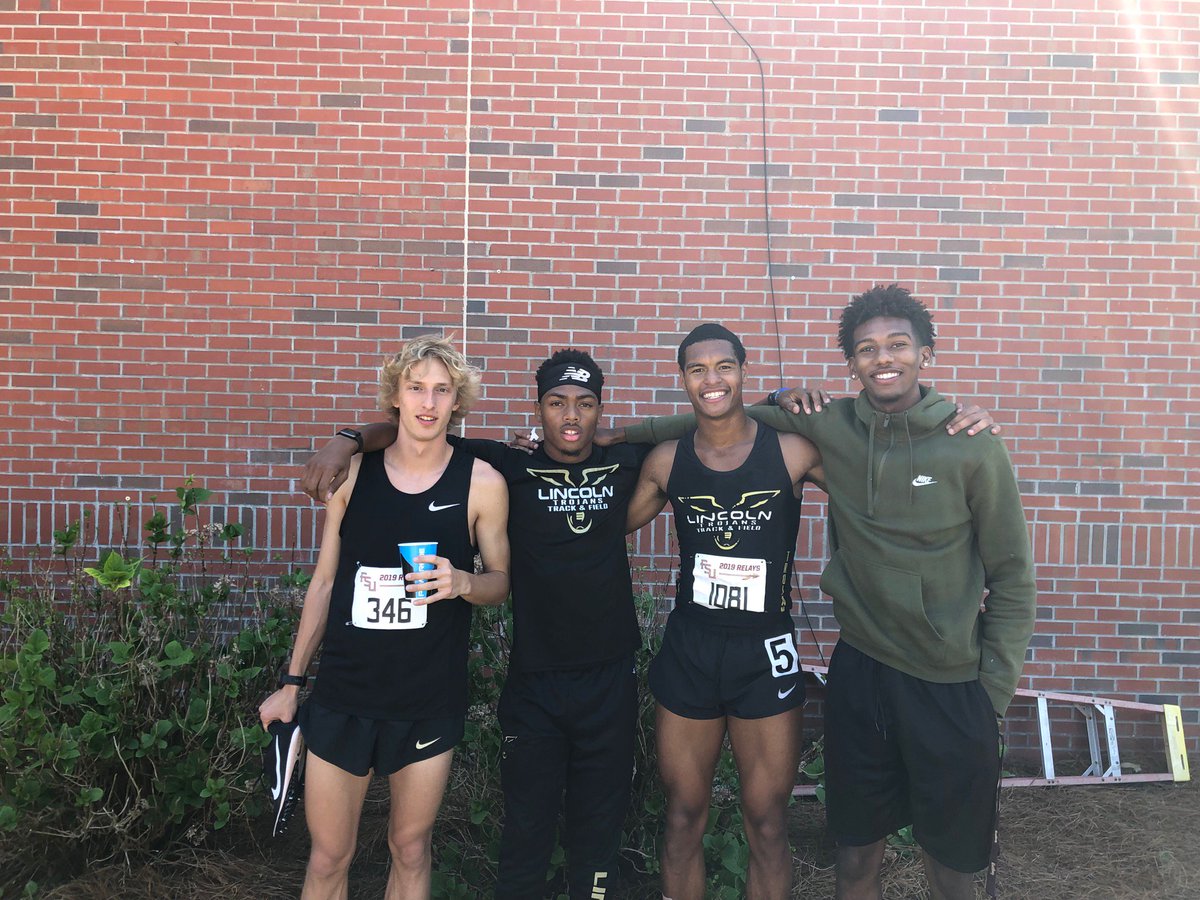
[
  {"x": 569, "y": 415},
  {"x": 425, "y": 398},
  {"x": 887, "y": 359},
  {"x": 712, "y": 377}
]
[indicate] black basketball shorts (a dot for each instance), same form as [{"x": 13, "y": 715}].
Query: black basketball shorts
[{"x": 900, "y": 750}]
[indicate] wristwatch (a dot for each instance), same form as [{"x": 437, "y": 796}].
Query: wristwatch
[
  {"x": 353, "y": 435},
  {"x": 286, "y": 680}
]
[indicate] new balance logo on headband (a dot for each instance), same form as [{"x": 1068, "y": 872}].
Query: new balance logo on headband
[{"x": 575, "y": 374}]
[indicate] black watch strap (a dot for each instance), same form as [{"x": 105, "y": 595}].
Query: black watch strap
[
  {"x": 286, "y": 680},
  {"x": 353, "y": 435}
]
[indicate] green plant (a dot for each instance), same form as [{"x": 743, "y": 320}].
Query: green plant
[
  {"x": 127, "y": 699},
  {"x": 726, "y": 852},
  {"x": 467, "y": 836}
]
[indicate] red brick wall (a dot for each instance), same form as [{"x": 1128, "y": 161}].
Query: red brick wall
[{"x": 215, "y": 217}]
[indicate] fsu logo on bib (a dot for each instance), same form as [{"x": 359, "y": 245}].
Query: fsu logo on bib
[
  {"x": 729, "y": 582},
  {"x": 380, "y": 601}
]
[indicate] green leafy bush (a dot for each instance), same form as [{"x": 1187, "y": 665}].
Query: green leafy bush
[
  {"x": 128, "y": 722},
  {"x": 127, "y": 696}
]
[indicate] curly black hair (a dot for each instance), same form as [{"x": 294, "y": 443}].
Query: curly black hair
[
  {"x": 892, "y": 301},
  {"x": 566, "y": 357}
]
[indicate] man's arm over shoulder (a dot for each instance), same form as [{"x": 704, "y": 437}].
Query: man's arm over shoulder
[
  {"x": 1002, "y": 535},
  {"x": 670, "y": 428},
  {"x": 650, "y": 492},
  {"x": 659, "y": 429},
  {"x": 491, "y": 452},
  {"x": 786, "y": 422},
  {"x": 326, "y": 469}
]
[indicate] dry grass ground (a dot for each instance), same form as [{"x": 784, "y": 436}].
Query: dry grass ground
[{"x": 1129, "y": 842}]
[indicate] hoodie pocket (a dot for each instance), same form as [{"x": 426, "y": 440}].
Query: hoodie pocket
[{"x": 879, "y": 606}]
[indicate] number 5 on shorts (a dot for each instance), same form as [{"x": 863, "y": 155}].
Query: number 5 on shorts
[{"x": 781, "y": 651}]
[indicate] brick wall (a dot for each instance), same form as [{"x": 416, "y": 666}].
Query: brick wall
[{"x": 216, "y": 217}]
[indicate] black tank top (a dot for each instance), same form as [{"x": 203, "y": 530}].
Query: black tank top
[
  {"x": 737, "y": 536},
  {"x": 412, "y": 673}
]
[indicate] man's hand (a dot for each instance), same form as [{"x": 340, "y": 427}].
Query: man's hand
[
  {"x": 796, "y": 399},
  {"x": 280, "y": 706},
  {"x": 440, "y": 583},
  {"x": 527, "y": 442},
  {"x": 607, "y": 437},
  {"x": 974, "y": 419},
  {"x": 326, "y": 469}
]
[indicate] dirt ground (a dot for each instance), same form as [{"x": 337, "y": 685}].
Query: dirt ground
[{"x": 1110, "y": 843}]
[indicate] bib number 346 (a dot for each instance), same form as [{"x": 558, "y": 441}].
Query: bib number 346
[{"x": 380, "y": 601}]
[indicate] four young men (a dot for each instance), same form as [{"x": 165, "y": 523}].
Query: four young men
[{"x": 910, "y": 734}]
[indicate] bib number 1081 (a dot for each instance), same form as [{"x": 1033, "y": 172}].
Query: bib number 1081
[{"x": 728, "y": 596}]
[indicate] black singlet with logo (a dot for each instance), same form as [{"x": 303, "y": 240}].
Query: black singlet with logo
[
  {"x": 418, "y": 673},
  {"x": 737, "y": 536},
  {"x": 571, "y": 589}
]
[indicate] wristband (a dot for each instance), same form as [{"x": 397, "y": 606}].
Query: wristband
[
  {"x": 353, "y": 435},
  {"x": 286, "y": 680}
]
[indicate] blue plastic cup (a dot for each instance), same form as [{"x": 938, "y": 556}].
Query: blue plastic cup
[{"x": 409, "y": 552}]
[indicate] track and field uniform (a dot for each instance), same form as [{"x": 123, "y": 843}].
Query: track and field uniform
[
  {"x": 568, "y": 711},
  {"x": 729, "y": 647},
  {"x": 387, "y": 667}
]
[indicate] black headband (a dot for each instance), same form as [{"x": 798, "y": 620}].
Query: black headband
[{"x": 584, "y": 374}]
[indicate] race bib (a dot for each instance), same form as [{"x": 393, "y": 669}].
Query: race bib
[
  {"x": 729, "y": 582},
  {"x": 380, "y": 601}
]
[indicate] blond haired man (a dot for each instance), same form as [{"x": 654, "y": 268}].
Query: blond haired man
[{"x": 392, "y": 689}]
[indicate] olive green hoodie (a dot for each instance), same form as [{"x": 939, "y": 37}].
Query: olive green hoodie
[{"x": 921, "y": 523}]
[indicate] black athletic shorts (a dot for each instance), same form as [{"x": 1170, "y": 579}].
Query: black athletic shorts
[
  {"x": 705, "y": 672},
  {"x": 360, "y": 745},
  {"x": 900, "y": 750}
]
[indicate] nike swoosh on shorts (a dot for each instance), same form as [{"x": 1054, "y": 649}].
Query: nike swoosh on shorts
[{"x": 783, "y": 695}]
